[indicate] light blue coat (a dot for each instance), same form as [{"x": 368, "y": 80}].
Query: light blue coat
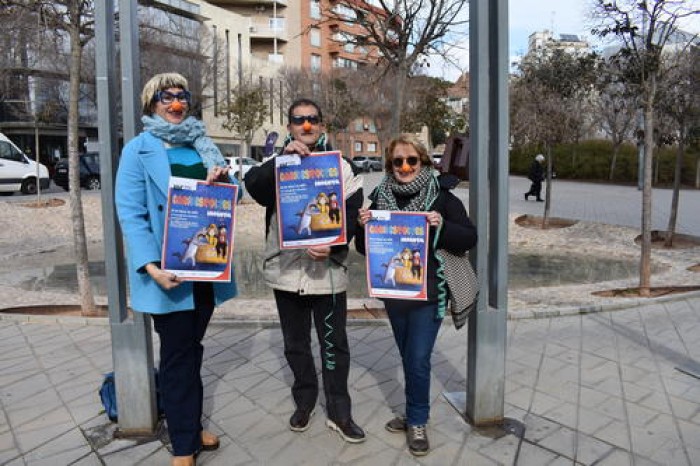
[{"x": 141, "y": 199}]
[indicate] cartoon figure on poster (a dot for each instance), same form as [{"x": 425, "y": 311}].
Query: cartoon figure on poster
[
  {"x": 309, "y": 205},
  {"x": 396, "y": 245},
  {"x": 198, "y": 235}
]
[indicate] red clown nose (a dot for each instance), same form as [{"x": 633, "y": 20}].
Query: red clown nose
[
  {"x": 177, "y": 106},
  {"x": 307, "y": 126}
]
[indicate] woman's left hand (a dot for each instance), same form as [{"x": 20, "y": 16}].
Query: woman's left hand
[
  {"x": 434, "y": 218},
  {"x": 219, "y": 174}
]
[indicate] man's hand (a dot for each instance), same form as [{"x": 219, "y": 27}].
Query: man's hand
[
  {"x": 319, "y": 253},
  {"x": 296, "y": 147},
  {"x": 166, "y": 280},
  {"x": 364, "y": 216}
]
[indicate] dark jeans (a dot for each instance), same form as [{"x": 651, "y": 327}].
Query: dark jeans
[
  {"x": 180, "y": 378},
  {"x": 415, "y": 329},
  {"x": 329, "y": 316}
]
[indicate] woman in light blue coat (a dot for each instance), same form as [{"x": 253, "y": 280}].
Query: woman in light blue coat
[{"x": 172, "y": 144}]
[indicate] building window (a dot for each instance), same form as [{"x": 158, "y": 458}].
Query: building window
[
  {"x": 371, "y": 147},
  {"x": 315, "y": 10},
  {"x": 276, "y": 24},
  {"x": 316, "y": 63},
  {"x": 315, "y": 37},
  {"x": 358, "y": 146}
]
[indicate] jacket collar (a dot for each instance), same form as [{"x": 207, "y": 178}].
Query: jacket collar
[{"x": 155, "y": 161}]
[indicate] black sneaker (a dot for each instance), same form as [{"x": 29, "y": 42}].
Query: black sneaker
[
  {"x": 351, "y": 432},
  {"x": 396, "y": 425},
  {"x": 299, "y": 421},
  {"x": 417, "y": 439}
]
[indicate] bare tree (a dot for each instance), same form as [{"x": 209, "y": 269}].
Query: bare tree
[
  {"x": 245, "y": 114},
  {"x": 616, "y": 105},
  {"x": 398, "y": 33},
  {"x": 643, "y": 28},
  {"x": 71, "y": 22},
  {"x": 548, "y": 101},
  {"x": 679, "y": 100}
]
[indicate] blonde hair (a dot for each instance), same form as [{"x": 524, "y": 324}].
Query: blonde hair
[
  {"x": 157, "y": 83},
  {"x": 409, "y": 140}
]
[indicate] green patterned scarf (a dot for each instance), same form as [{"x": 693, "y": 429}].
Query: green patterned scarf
[{"x": 423, "y": 189}]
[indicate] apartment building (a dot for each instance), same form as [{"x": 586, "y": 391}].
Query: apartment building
[
  {"x": 546, "y": 41},
  {"x": 310, "y": 35}
]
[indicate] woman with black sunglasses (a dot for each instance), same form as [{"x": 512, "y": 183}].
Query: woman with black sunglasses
[
  {"x": 171, "y": 144},
  {"x": 411, "y": 184}
]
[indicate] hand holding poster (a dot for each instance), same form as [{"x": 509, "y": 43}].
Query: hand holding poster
[
  {"x": 310, "y": 200},
  {"x": 396, "y": 245},
  {"x": 199, "y": 224}
]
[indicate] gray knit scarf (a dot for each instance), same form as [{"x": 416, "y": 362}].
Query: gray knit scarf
[
  {"x": 190, "y": 132},
  {"x": 424, "y": 190}
]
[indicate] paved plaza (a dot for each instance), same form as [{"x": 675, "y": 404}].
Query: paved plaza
[{"x": 605, "y": 388}]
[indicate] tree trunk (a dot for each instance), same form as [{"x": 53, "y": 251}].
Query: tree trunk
[
  {"x": 398, "y": 100},
  {"x": 548, "y": 185},
  {"x": 671, "y": 229},
  {"x": 645, "y": 261},
  {"x": 613, "y": 162},
  {"x": 87, "y": 300}
]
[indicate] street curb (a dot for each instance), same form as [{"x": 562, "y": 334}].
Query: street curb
[{"x": 226, "y": 319}]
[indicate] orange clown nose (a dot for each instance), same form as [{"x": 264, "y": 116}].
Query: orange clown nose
[
  {"x": 177, "y": 106},
  {"x": 405, "y": 167},
  {"x": 307, "y": 126}
]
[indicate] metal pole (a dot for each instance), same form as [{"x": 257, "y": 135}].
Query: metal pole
[
  {"x": 132, "y": 348},
  {"x": 483, "y": 401}
]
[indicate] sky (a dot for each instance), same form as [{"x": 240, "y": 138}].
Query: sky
[{"x": 528, "y": 16}]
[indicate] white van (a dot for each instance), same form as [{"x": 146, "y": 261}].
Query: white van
[{"x": 17, "y": 171}]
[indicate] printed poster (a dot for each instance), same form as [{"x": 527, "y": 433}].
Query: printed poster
[
  {"x": 310, "y": 200},
  {"x": 199, "y": 224},
  {"x": 396, "y": 246}
]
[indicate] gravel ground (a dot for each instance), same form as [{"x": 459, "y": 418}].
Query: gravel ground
[{"x": 28, "y": 235}]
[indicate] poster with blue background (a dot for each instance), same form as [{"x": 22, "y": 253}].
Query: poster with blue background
[
  {"x": 396, "y": 245},
  {"x": 310, "y": 200},
  {"x": 198, "y": 238}
]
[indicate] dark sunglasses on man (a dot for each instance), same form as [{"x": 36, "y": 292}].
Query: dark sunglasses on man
[
  {"x": 300, "y": 119},
  {"x": 398, "y": 162},
  {"x": 167, "y": 98}
]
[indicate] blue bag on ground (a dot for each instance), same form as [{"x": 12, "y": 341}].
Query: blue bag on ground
[{"x": 108, "y": 396}]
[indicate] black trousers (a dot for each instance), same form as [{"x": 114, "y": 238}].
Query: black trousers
[
  {"x": 535, "y": 189},
  {"x": 330, "y": 316},
  {"x": 180, "y": 377}
]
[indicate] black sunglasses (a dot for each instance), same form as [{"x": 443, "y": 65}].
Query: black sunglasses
[
  {"x": 168, "y": 98},
  {"x": 412, "y": 161},
  {"x": 300, "y": 119}
]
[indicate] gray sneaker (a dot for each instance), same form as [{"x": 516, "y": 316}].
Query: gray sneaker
[
  {"x": 396, "y": 425},
  {"x": 417, "y": 439}
]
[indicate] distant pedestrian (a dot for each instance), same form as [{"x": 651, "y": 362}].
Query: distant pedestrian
[{"x": 536, "y": 175}]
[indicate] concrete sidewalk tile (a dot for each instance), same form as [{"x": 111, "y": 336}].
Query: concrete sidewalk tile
[
  {"x": 672, "y": 453},
  {"x": 533, "y": 455},
  {"x": 64, "y": 449},
  {"x": 502, "y": 449},
  {"x": 616, "y": 457},
  {"x": 543, "y": 402},
  {"x": 616, "y": 433},
  {"x": 151, "y": 453},
  {"x": 537, "y": 428},
  {"x": 639, "y": 415},
  {"x": 590, "y": 422},
  {"x": 565, "y": 414},
  {"x": 590, "y": 450},
  {"x": 684, "y": 409},
  {"x": 613, "y": 407},
  {"x": 562, "y": 440},
  {"x": 90, "y": 460}
]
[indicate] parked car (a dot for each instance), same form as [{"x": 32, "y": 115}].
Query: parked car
[
  {"x": 367, "y": 164},
  {"x": 235, "y": 164},
  {"x": 18, "y": 172},
  {"x": 89, "y": 172}
]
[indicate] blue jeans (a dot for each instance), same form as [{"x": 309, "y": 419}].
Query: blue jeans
[{"x": 415, "y": 327}]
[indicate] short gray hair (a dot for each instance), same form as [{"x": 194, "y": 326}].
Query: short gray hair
[{"x": 157, "y": 83}]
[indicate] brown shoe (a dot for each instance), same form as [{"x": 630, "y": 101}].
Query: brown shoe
[
  {"x": 209, "y": 441},
  {"x": 183, "y": 461}
]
